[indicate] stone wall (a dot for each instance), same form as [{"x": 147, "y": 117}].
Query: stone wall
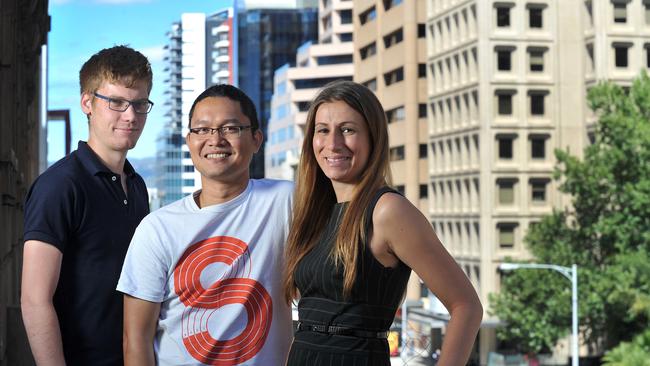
[{"x": 24, "y": 25}]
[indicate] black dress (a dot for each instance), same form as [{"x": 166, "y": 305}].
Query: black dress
[{"x": 371, "y": 307}]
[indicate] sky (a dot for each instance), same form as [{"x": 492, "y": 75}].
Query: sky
[{"x": 80, "y": 28}]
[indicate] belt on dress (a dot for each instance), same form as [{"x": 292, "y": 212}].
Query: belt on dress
[{"x": 337, "y": 330}]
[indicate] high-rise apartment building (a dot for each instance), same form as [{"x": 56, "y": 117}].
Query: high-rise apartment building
[
  {"x": 390, "y": 58},
  {"x": 268, "y": 34},
  {"x": 507, "y": 85},
  {"x": 199, "y": 53},
  {"x": 316, "y": 64}
]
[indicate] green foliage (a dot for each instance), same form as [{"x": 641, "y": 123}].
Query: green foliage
[
  {"x": 606, "y": 232},
  {"x": 635, "y": 353}
]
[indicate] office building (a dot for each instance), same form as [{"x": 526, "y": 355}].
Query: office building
[
  {"x": 295, "y": 86},
  {"x": 390, "y": 58},
  {"x": 507, "y": 83},
  {"x": 199, "y": 53},
  {"x": 268, "y": 35}
]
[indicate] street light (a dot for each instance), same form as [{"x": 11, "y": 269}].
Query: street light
[{"x": 570, "y": 273}]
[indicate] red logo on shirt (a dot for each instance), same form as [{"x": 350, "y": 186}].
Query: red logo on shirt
[{"x": 234, "y": 287}]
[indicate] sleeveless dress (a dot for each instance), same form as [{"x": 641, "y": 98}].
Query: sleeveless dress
[{"x": 371, "y": 307}]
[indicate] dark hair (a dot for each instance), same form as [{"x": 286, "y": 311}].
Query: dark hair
[
  {"x": 116, "y": 64},
  {"x": 233, "y": 93},
  {"x": 311, "y": 211}
]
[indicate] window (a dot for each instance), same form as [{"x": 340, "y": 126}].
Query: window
[
  {"x": 368, "y": 50},
  {"x": 346, "y": 16},
  {"x": 371, "y": 84},
  {"x": 424, "y": 191},
  {"x": 620, "y": 11},
  {"x": 395, "y": 114},
  {"x": 538, "y": 190},
  {"x": 394, "y": 76},
  {"x": 504, "y": 107},
  {"x": 506, "y": 191},
  {"x": 422, "y": 33},
  {"x": 423, "y": 151},
  {"x": 646, "y": 11},
  {"x": 537, "y": 103},
  {"x": 538, "y": 147},
  {"x": 536, "y": 58},
  {"x": 503, "y": 15},
  {"x": 535, "y": 19},
  {"x": 647, "y": 55},
  {"x": 506, "y": 235},
  {"x": 422, "y": 70},
  {"x": 391, "y": 3},
  {"x": 620, "y": 55},
  {"x": 503, "y": 59},
  {"x": 303, "y": 106},
  {"x": 367, "y": 15},
  {"x": 346, "y": 37},
  {"x": 590, "y": 12},
  {"x": 422, "y": 111},
  {"x": 327, "y": 22},
  {"x": 188, "y": 168},
  {"x": 393, "y": 38},
  {"x": 505, "y": 147},
  {"x": 397, "y": 153}
]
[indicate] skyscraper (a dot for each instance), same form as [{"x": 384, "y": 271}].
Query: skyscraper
[
  {"x": 199, "y": 53},
  {"x": 268, "y": 34},
  {"x": 295, "y": 86}
]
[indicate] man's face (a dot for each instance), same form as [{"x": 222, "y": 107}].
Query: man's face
[
  {"x": 111, "y": 130},
  {"x": 222, "y": 159}
]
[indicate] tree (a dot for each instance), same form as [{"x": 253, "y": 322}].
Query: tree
[
  {"x": 606, "y": 231},
  {"x": 635, "y": 353}
]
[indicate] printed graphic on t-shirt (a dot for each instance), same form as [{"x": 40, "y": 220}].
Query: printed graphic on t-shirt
[{"x": 226, "y": 261}]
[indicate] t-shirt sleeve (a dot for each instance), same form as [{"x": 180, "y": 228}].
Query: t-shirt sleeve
[
  {"x": 146, "y": 266},
  {"x": 53, "y": 208}
]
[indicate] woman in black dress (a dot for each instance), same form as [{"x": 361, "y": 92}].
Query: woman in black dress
[{"x": 354, "y": 241}]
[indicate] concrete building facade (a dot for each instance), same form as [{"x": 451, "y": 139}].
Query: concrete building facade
[
  {"x": 390, "y": 59},
  {"x": 507, "y": 83}
]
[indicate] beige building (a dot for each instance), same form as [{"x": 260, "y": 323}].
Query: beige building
[
  {"x": 294, "y": 87},
  {"x": 390, "y": 58},
  {"x": 507, "y": 84}
]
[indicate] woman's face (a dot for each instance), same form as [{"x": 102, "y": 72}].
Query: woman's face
[{"x": 341, "y": 142}]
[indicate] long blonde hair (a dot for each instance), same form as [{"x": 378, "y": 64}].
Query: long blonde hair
[{"x": 314, "y": 196}]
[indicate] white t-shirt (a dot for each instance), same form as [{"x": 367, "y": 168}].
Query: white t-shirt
[{"x": 217, "y": 272}]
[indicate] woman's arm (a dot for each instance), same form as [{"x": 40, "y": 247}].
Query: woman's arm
[{"x": 401, "y": 230}]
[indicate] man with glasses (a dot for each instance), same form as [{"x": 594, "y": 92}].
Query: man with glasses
[
  {"x": 202, "y": 277},
  {"x": 80, "y": 215}
]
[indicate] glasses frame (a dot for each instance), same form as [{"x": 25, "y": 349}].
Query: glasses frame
[
  {"x": 129, "y": 103},
  {"x": 220, "y": 130}
]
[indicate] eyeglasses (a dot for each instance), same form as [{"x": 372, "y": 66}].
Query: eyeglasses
[
  {"x": 224, "y": 131},
  {"x": 121, "y": 105}
]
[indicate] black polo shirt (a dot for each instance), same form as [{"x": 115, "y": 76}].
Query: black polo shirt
[{"x": 78, "y": 205}]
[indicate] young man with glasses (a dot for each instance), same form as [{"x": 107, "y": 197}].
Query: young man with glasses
[
  {"x": 203, "y": 276},
  {"x": 80, "y": 215}
]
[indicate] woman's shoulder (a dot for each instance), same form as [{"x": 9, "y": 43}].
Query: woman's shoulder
[{"x": 393, "y": 207}]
